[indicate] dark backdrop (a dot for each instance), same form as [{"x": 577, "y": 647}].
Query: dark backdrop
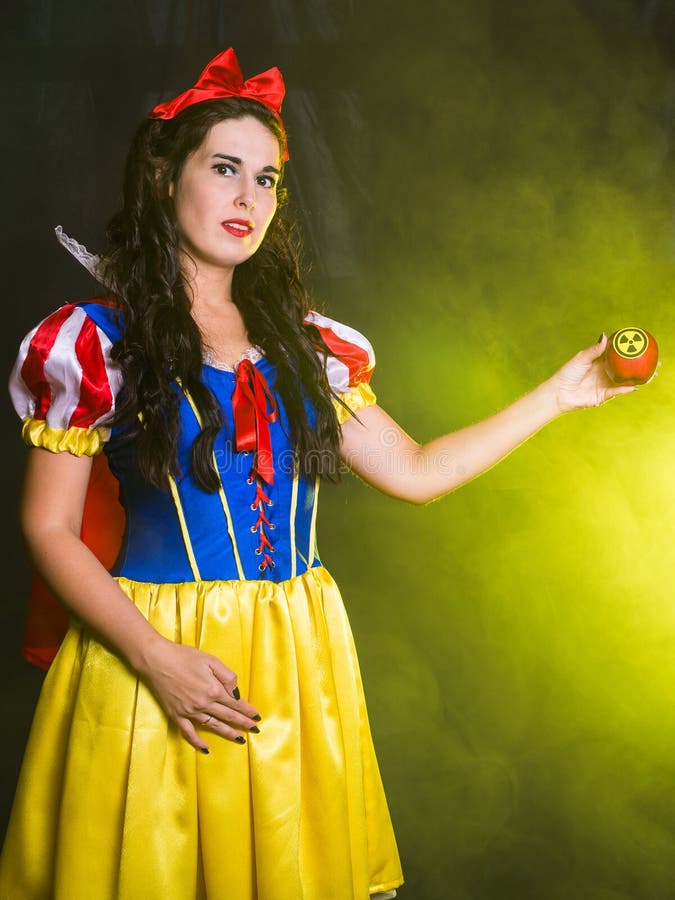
[{"x": 483, "y": 187}]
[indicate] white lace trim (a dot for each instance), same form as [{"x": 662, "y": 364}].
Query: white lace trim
[
  {"x": 253, "y": 354},
  {"x": 95, "y": 265},
  {"x": 91, "y": 261}
]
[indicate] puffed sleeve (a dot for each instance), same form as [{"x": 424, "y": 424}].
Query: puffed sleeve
[
  {"x": 64, "y": 383},
  {"x": 350, "y": 368}
]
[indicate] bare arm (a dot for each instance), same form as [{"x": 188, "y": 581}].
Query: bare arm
[
  {"x": 189, "y": 684},
  {"x": 379, "y": 451}
]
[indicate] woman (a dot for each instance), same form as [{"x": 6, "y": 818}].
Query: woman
[{"x": 209, "y": 738}]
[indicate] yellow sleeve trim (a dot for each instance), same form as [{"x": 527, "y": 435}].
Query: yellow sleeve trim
[
  {"x": 78, "y": 441},
  {"x": 356, "y": 398}
]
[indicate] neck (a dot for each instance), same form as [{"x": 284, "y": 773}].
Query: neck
[
  {"x": 208, "y": 286},
  {"x": 218, "y": 318}
]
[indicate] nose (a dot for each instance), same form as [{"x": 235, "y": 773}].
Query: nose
[{"x": 247, "y": 195}]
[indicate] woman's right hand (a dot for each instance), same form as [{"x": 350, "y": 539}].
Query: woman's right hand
[
  {"x": 191, "y": 685},
  {"x": 196, "y": 689}
]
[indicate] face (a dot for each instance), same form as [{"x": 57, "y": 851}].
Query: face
[{"x": 225, "y": 196}]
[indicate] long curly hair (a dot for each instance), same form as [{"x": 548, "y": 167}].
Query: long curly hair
[{"x": 162, "y": 345}]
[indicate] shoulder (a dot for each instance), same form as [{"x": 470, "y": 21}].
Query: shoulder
[
  {"x": 74, "y": 324},
  {"x": 106, "y": 314},
  {"x": 353, "y": 357},
  {"x": 64, "y": 376},
  {"x": 349, "y": 364}
]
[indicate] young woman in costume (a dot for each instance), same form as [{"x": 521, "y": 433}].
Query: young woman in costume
[{"x": 202, "y": 731}]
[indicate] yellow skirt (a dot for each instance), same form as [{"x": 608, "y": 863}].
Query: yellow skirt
[{"x": 114, "y": 804}]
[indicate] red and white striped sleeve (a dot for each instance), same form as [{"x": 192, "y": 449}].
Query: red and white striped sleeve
[
  {"x": 350, "y": 369},
  {"x": 64, "y": 383}
]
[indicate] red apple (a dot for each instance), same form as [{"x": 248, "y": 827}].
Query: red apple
[{"x": 631, "y": 356}]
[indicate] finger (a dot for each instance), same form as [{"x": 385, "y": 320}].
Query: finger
[
  {"x": 187, "y": 729},
  {"x": 246, "y": 708},
  {"x": 222, "y": 729},
  {"x": 236, "y": 712},
  {"x": 235, "y": 718},
  {"x": 220, "y": 704},
  {"x": 225, "y": 676},
  {"x": 619, "y": 391},
  {"x": 595, "y": 351},
  {"x": 198, "y": 705},
  {"x": 218, "y": 695},
  {"x": 228, "y": 679}
]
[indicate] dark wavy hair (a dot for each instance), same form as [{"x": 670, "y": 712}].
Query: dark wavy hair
[{"x": 161, "y": 343}]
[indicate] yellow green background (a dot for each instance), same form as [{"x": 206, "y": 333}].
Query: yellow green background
[
  {"x": 517, "y": 638},
  {"x": 487, "y": 185}
]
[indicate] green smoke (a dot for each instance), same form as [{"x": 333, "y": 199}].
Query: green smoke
[{"x": 518, "y": 638}]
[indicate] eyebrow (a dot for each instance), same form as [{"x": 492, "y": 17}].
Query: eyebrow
[{"x": 237, "y": 161}]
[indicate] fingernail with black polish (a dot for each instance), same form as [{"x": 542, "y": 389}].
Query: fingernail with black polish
[
  {"x": 257, "y": 718},
  {"x": 240, "y": 739},
  {"x": 255, "y": 729},
  {"x": 236, "y": 694},
  {"x": 203, "y": 750},
  {"x": 601, "y": 337}
]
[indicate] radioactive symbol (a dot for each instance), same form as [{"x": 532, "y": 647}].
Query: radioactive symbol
[{"x": 630, "y": 342}]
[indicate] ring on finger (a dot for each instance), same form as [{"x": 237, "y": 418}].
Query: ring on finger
[{"x": 207, "y": 720}]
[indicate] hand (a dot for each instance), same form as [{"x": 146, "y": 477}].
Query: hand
[
  {"x": 196, "y": 688},
  {"x": 583, "y": 382}
]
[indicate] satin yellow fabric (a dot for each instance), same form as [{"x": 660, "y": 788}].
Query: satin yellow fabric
[
  {"x": 356, "y": 398},
  {"x": 114, "y": 804},
  {"x": 78, "y": 441}
]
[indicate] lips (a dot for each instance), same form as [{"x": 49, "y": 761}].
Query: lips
[{"x": 240, "y": 228}]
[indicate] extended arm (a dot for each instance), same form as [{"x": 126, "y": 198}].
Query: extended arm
[
  {"x": 190, "y": 684},
  {"x": 379, "y": 451}
]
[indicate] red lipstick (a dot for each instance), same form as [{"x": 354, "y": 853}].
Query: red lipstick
[{"x": 238, "y": 227}]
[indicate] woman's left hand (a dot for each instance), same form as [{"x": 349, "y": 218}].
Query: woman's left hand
[
  {"x": 377, "y": 449},
  {"x": 583, "y": 381}
]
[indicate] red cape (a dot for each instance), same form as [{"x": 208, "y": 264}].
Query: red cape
[{"x": 103, "y": 524}]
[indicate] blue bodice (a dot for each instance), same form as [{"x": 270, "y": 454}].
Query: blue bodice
[{"x": 246, "y": 530}]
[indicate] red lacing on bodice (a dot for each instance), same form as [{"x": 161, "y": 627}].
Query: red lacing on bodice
[
  {"x": 260, "y": 503},
  {"x": 254, "y": 407}
]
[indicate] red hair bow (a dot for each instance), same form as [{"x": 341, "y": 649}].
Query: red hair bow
[{"x": 222, "y": 77}]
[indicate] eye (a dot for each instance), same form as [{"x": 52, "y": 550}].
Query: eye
[
  {"x": 267, "y": 181},
  {"x": 225, "y": 168}
]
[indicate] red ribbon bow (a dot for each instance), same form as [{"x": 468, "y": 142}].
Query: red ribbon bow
[
  {"x": 223, "y": 77},
  {"x": 254, "y": 407}
]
